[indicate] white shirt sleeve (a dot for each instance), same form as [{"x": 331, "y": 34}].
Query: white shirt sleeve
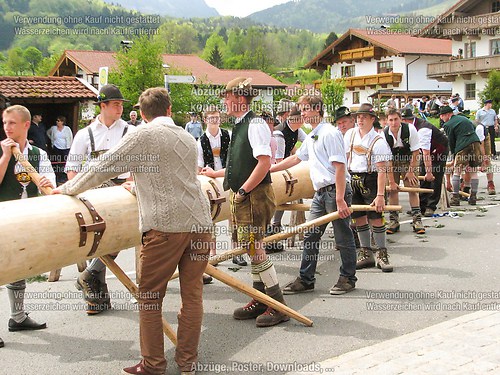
[
  {"x": 480, "y": 132},
  {"x": 381, "y": 151},
  {"x": 78, "y": 151},
  {"x": 301, "y": 135},
  {"x": 425, "y": 136},
  {"x": 280, "y": 143},
  {"x": 259, "y": 136},
  {"x": 414, "y": 139},
  {"x": 45, "y": 168},
  {"x": 201, "y": 161},
  {"x": 335, "y": 148},
  {"x": 303, "y": 152}
]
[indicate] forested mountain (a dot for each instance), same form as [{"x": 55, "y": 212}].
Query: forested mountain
[
  {"x": 339, "y": 15},
  {"x": 172, "y": 8}
]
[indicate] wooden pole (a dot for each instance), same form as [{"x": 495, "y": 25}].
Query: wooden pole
[
  {"x": 19, "y": 156},
  {"x": 134, "y": 290},
  {"x": 404, "y": 189},
  {"x": 259, "y": 296}
]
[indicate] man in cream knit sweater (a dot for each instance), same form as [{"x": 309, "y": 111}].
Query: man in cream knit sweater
[{"x": 175, "y": 221}]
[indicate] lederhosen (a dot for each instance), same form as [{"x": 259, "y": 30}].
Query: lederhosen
[
  {"x": 363, "y": 184},
  {"x": 95, "y": 154},
  {"x": 208, "y": 155}
]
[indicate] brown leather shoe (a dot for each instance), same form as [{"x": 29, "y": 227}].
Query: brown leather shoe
[
  {"x": 365, "y": 258},
  {"x": 343, "y": 286},
  {"x": 27, "y": 324},
  {"x": 138, "y": 369},
  {"x": 250, "y": 311},
  {"x": 382, "y": 259},
  {"x": 270, "y": 318}
]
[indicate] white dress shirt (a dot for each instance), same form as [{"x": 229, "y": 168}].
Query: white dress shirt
[
  {"x": 359, "y": 163},
  {"x": 321, "y": 147},
  {"x": 104, "y": 138}
]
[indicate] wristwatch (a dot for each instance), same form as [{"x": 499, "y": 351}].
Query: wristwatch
[{"x": 242, "y": 192}]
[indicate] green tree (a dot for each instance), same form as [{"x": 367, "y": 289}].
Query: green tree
[
  {"x": 177, "y": 37},
  {"x": 332, "y": 37},
  {"x": 491, "y": 90},
  {"x": 138, "y": 68},
  {"x": 16, "y": 63},
  {"x": 215, "y": 40},
  {"x": 216, "y": 58},
  {"x": 33, "y": 57},
  {"x": 332, "y": 91}
]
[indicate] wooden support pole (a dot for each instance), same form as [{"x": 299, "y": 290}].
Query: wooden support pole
[
  {"x": 259, "y": 296},
  {"x": 134, "y": 290},
  {"x": 404, "y": 189}
]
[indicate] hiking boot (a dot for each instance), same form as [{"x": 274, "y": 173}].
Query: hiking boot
[
  {"x": 429, "y": 212},
  {"x": 473, "y": 199},
  {"x": 382, "y": 259},
  {"x": 207, "y": 279},
  {"x": 365, "y": 258},
  {"x": 343, "y": 286},
  {"x": 465, "y": 190},
  {"x": 393, "y": 225},
  {"x": 455, "y": 200},
  {"x": 271, "y": 317},
  {"x": 418, "y": 227},
  {"x": 250, "y": 311},
  {"x": 297, "y": 286},
  {"x": 103, "y": 304},
  {"x": 491, "y": 188},
  {"x": 88, "y": 282}
]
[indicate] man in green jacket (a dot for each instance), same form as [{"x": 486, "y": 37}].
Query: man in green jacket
[{"x": 465, "y": 149}]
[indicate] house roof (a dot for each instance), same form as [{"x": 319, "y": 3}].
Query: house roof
[
  {"x": 430, "y": 31},
  {"x": 395, "y": 43},
  {"x": 91, "y": 61},
  {"x": 45, "y": 88}
]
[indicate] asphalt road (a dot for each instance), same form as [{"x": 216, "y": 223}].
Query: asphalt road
[{"x": 437, "y": 276}]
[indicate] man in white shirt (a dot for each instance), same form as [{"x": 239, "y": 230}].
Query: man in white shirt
[
  {"x": 368, "y": 154},
  {"x": 405, "y": 146},
  {"x": 324, "y": 149},
  {"x": 90, "y": 143}
]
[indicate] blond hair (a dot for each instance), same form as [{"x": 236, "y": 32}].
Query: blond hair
[{"x": 22, "y": 110}]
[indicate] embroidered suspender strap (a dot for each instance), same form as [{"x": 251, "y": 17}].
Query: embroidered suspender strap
[
  {"x": 369, "y": 153},
  {"x": 349, "y": 158}
]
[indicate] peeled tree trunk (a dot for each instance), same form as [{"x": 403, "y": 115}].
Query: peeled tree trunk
[{"x": 40, "y": 234}]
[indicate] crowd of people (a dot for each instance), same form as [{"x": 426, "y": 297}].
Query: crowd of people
[{"x": 359, "y": 159}]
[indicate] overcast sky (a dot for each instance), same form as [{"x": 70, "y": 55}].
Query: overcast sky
[{"x": 242, "y": 8}]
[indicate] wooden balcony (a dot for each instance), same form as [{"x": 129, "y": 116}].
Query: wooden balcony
[
  {"x": 359, "y": 54},
  {"x": 381, "y": 80},
  {"x": 450, "y": 70},
  {"x": 376, "y": 80}
]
